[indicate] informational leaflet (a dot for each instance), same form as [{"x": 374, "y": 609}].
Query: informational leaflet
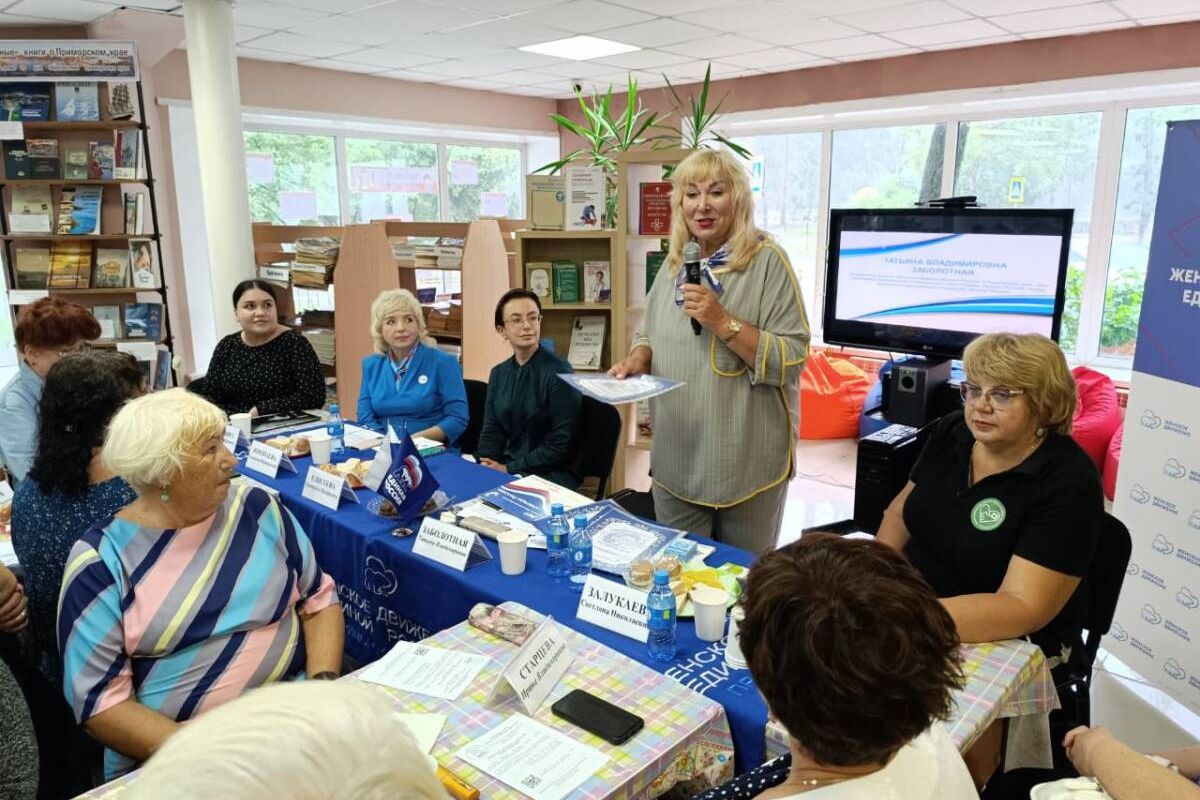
[
  {"x": 425, "y": 728},
  {"x": 616, "y": 391},
  {"x": 419, "y": 668},
  {"x": 533, "y": 758},
  {"x": 619, "y": 538},
  {"x": 531, "y": 498}
]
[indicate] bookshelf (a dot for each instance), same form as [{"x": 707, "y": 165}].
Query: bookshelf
[
  {"x": 71, "y": 135},
  {"x": 629, "y": 267},
  {"x": 366, "y": 266}
]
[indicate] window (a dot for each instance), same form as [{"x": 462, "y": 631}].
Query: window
[
  {"x": 483, "y": 182},
  {"x": 1137, "y": 193},
  {"x": 393, "y": 180},
  {"x": 788, "y": 202},
  {"x": 886, "y": 167},
  {"x": 1055, "y": 156},
  {"x": 293, "y": 178}
]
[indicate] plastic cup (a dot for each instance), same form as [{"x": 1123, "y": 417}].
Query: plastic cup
[
  {"x": 242, "y": 421},
  {"x": 321, "y": 447},
  {"x": 733, "y": 645},
  {"x": 708, "y": 604},
  {"x": 513, "y": 547}
]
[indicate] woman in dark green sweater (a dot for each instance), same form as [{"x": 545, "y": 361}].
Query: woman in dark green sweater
[{"x": 530, "y": 417}]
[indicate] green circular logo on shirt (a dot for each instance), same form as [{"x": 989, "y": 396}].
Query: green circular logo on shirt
[{"x": 988, "y": 514}]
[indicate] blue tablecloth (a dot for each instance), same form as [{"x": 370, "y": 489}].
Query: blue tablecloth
[{"x": 389, "y": 594}]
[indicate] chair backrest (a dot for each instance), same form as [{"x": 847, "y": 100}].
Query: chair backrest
[
  {"x": 1105, "y": 578},
  {"x": 476, "y": 401},
  {"x": 596, "y": 441}
]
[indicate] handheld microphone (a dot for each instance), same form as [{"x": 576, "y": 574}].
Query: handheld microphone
[{"x": 691, "y": 266}]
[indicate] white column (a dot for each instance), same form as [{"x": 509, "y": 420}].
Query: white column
[{"x": 216, "y": 101}]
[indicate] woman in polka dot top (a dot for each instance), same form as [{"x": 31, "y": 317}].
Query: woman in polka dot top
[{"x": 266, "y": 368}]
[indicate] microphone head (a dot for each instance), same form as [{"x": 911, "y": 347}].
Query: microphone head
[{"x": 691, "y": 251}]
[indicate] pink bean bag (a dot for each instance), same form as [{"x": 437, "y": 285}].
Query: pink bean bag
[
  {"x": 1112, "y": 460},
  {"x": 1097, "y": 413}
]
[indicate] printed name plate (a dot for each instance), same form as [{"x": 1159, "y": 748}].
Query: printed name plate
[
  {"x": 615, "y": 606},
  {"x": 267, "y": 460},
  {"x": 327, "y": 489},
  {"x": 451, "y": 545}
]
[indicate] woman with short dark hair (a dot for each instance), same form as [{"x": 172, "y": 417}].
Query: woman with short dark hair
[
  {"x": 46, "y": 330},
  {"x": 266, "y": 367},
  {"x": 857, "y": 660}
]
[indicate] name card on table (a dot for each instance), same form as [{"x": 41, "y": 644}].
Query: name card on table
[
  {"x": 235, "y": 438},
  {"x": 537, "y": 667},
  {"x": 614, "y": 606},
  {"x": 327, "y": 489},
  {"x": 267, "y": 460},
  {"x": 451, "y": 545}
]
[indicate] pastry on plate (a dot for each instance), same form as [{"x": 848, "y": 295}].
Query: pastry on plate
[{"x": 294, "y": 446}]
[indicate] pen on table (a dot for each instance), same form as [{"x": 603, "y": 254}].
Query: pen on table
[{"x": 458, "y": 789}]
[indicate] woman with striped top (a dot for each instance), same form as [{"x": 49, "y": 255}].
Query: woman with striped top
[{"x": 191, "y": 595}]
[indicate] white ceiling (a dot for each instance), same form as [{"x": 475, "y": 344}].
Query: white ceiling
[{"x": 473, "y": 43}]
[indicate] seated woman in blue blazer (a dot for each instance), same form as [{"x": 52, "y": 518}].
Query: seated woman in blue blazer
[{"x": 409, "y": 381}]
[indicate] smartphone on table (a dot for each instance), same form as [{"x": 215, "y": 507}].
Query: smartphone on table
[{"x": 613, "y": 725}]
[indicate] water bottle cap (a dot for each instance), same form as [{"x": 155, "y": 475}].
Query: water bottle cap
[
  {"x": 556, "y": 509},
  {"x": 334, "y": 408},
  {"x": 661, "y": 578},
  {"x": 581, "y": 521}
]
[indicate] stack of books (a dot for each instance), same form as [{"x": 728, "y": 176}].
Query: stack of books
[
  {"x": 322, "y": 344},
  {"x": 449, "y": 252},
  {"x": 315, "y": 260},
  {"x": 415, "y": 251}
]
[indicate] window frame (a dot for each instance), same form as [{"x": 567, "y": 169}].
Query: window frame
[{"x": 1112, "y": 96}]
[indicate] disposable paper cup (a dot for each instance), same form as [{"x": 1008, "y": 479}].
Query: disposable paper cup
[
  {"x": 733, "y": 645},
  {"x": 321, "y": 447},
  {"x": 242, "y": 421},
  {"x": 513, "y": 546},
  {"x": 709, "y": 604}
]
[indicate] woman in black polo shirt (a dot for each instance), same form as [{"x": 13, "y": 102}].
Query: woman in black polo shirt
[{"x": 1003, "y": 509}]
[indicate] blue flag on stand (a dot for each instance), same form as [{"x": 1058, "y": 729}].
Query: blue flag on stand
[{"x": 408, "y": 484}]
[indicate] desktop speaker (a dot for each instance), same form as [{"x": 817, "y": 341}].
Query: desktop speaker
[{"x": 911, "y": 391}]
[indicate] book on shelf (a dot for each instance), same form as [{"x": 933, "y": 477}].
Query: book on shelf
[
  {"x": 162, "y": 369},
  {"x": 79, "y": 210},
  {"x": 587, "y": 342},
  {"x": 566, "y": 281},
  {"x": 109, "y": 318},
  {"x": 125, "y": 154},
  {"x": 100, "y": 161},
  {"x": 75, "y": 164},
  {"x": 112, "y": 268},
  {"x": 597, "y": 283},
  {"x": 77, "y": 101},
  {"x": 16, "y": 160},
  {"x": 143, "y": 321},
  {"x": 449, "y": 252},
  {"x": 654, "y": 261},
  {"x": 43, "y": 159},
  {"x": 415, "y": 251},
  {"x": 539, "y": 280},
  {"x": 586, "y": 189},
  {"x": 33, "y": 267},
  {"x": 645, "y": 428},
  {"x": 322, "y": 342},
  {"x": 70, "y": 265},
  {"x": 654, "y": 203},
  {"x": 143, "y": 264},
  {"x": 120, "y": 100},
  {"x": 545, "y": 199},
  {"x": 25, "y": 102},
  {"x": 146, "y": 354},
  {"x": 135, "y": 207},
  {"x": 31, "y": 210}
]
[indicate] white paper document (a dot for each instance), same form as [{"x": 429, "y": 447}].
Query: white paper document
[
  {"x": 533, "y": 758},
  {"x": 425, "y": 728},
  {"x": 360, "y": 438},
  {"x": 616, "y": 391},
  {"x": 419, "y": 668}
]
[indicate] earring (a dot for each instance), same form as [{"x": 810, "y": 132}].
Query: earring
[
  {"x": 1040, "y": 432},
  {"x": 164, "y": 496}
]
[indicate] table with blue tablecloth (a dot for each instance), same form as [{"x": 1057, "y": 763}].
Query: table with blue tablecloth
[{"x": 390, "y": 594}]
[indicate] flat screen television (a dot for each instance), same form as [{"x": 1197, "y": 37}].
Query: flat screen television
[{"x": 929, "y": 280}]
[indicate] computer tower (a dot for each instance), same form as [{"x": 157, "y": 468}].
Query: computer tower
[{"x": 884, "y": 460}]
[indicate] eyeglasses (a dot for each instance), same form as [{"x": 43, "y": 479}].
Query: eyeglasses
[
  {"x": 997, "y": 396},
  {"x": 516, "y": 322}
]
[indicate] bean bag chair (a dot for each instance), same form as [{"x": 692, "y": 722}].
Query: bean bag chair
[
  {"x": 1112, "y": 460},
  {"x": 1097, "y": 413},
  {"x": 832, "y": 392}
]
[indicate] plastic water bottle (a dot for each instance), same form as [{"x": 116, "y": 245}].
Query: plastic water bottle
[
  {"x": 580, "y": 552},
  {"x": 660, "y": 611},
  {"x": 556, "y": 543},
  {"x": 336, "y": 429}
]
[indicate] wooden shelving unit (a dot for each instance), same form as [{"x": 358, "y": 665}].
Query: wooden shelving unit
[
  {"x": 76, "y": 135},
  {"x": 366, "y": 267}
]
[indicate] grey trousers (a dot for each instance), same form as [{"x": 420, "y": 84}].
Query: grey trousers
[{"x": 752, "y": 525}]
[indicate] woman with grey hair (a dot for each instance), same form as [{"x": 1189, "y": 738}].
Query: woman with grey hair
[
  {"x": 409, "y": 381},
  {"x": 343, "y": 742},
  {"x": 190, "y": 595}
]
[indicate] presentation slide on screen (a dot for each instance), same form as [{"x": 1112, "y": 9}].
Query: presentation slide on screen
[{"x": 970, "y": 282}]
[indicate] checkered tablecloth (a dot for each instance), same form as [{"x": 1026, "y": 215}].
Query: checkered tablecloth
[
  {"x": 1003, "y": 679},
  {"x": 685, "y": 738}
]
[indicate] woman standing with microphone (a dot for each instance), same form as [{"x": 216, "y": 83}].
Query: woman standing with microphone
[{"x": 736, "y": 332}]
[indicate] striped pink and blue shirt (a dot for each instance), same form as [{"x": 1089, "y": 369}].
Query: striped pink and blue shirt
[{"x": 184, "y": 620}]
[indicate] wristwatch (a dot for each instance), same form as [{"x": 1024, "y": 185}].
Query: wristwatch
[{"x": 734, "y": 327}]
